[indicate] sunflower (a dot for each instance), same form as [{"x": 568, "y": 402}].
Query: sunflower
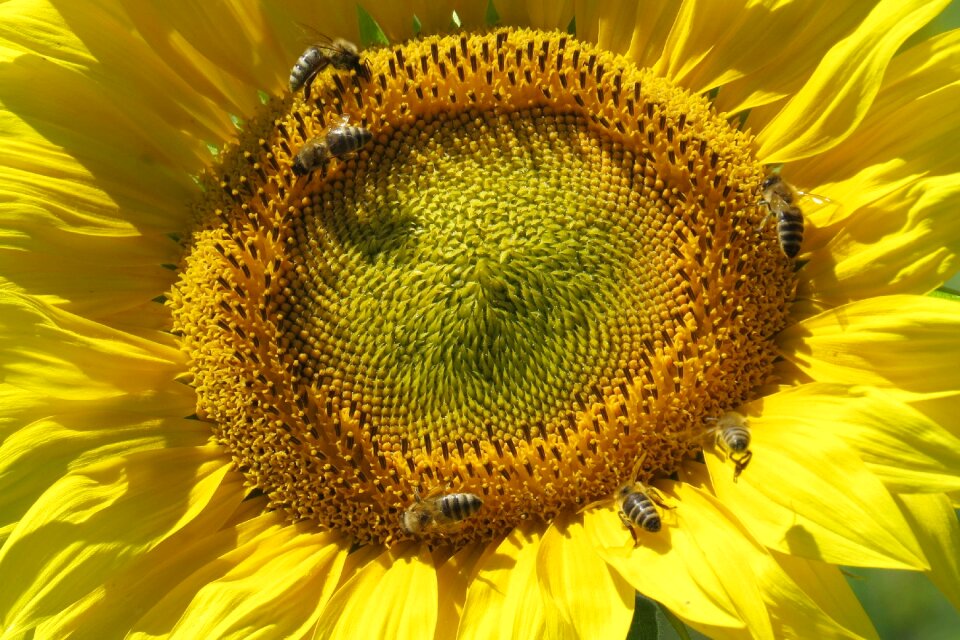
[{"x": 478, "y": 331}]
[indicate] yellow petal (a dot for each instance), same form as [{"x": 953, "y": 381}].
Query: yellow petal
[
  {"x": 901, "y": 342},
  {"x": 901, "y": 446},
  {"x": 546, "y": 14},
  {"x": 900, "y": 435},
  {"x": 68, "y": 242},
  {"x": 504, "y": 598},
  {"x": 206, "y": 48},
  {"x": 902, "y": 136},
  {"x": 404, "y": 580},
  {"x": 828, "y": 588},
  {"x": 939, "y": 407},
  {"x": 807, "y": 493},
  {"x": 83, "y": 529},
  {"x": 291, "y": 573},
  {"x": 724, "y": 41},
  {"x": 58, "y": 355},
  {"x": 697, "y": 27},
  {"x": 694, "y": 566},
  {"x": 638, "y": 31},
  {"x": 579, "y": 587},
  {"x": 36, "y": 455},
  {"x": 933, "y": 518},
  {"x": 836, "y": 97},
  {"x": 907, "y": 242},
  {"x": 454, "y": 577},
  {"x": 795, "y": 612},
  {"x": 787, "y": 67},
  {"x": 27, "y": 26},
  {"x": 357, "y": 560},
  {"x": 114, "y": 607}
]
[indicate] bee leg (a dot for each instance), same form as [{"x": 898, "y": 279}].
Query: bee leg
[
  {"x": 629, "y": 525},
  {"x": 307, "y": 84},
  {"x": 658, "y": 498},
  {"x": 741, "y": 463},
  {"x": 766, "y": 218}
]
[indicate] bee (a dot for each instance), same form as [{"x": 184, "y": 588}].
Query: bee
[
  {"x": 780, "y": 198},
  {"x": 312, "y": 154},
  {"x": 733, "y": 435},
  {"x": 340, "y": 54},
  {"x": 336, "y": 143},
  {"x": 438, "y": 512},
  {"x": 638, "y": 508},
  {"x": 345, "y": 138}
]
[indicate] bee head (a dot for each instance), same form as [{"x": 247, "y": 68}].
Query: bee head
[
  {"x": 299, "y": 169},
  {"x": 769, "y": 181}
]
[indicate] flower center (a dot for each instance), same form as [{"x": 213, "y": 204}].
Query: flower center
[{"x": 545, "y": 266}]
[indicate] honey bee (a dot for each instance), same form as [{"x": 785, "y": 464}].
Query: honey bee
[
  {"x": 733, "y": 435},
  {"x": 638, "y": 508},
  {"x": 336, "y": 143},
  {"x": 312, "y": 154},
  {"x": 780, "y": 198},
  {"x": 438, "y": 512},
  {"x": 345, "y": 138},
  {"x": 340, "y": 54}
]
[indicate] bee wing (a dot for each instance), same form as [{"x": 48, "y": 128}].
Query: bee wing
[
  {"x": 312, "y": 36},
  {"x": 815, "y": 198}
]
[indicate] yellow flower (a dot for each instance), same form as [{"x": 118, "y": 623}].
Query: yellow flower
[{"x": 474, "y": 376}]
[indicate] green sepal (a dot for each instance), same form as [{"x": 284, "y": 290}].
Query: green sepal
[
  {"x": 371, "y": 35},
  {"x": 492, "y": 18}
]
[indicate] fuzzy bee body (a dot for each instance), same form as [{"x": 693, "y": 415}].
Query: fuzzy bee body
[
  {"x": 780, "y": 199},
  {"x": 345, "y": 138},
  {"x": 440, "y": 512},
  {"x": 638, "y": 508},
  {"x": 340, "y": 54},
  {"x": 733, "y": 435},
  {"x": 339, "y": 141},
  {"x": 314, "y": 153}
]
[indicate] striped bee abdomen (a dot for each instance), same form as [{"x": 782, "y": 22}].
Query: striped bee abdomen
[
  {"x": 736, "y": 438},
  {"x": 459, "y": 506},
  {"x": 640, "y": 510},
  {"x": 790, "y": 230}
]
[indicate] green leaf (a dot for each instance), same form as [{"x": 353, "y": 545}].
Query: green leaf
[
  {"x": 644, "y": 625},
  {"x": 675, "y": 622},
  {"x": 213, "y": 149},
  {"x": 417, "y": 27},
  {"x": 264, "y": 96},
  {"x": 572, "y": 27},
  {"x": 946, "y": 293},
  {"x": 455, "y": 20},
  {"x": 370, "y": 32},
  {"x": 237, "y": 121},
  {"x": 492, "y": 18},
  {"x": 653, "y": 621},
  {"x": 743, "y": 115}
]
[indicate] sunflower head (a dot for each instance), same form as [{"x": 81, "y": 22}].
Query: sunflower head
[
  {"x": 507, "y": 326},
  {"x": 529, "y": 265}
]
